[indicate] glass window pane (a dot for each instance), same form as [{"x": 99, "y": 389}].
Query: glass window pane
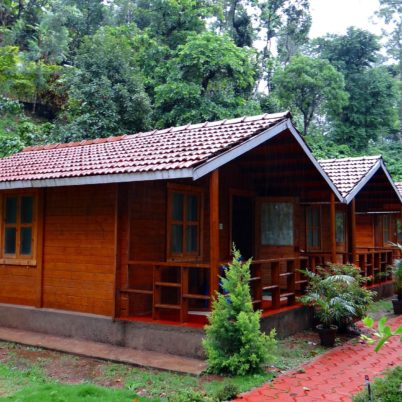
[
  {"x": 26, "y": 209},
  {"x": 192, "y": 208},
  {"x": 26, "y": 241},
  {"x": 385, "y": 229},
  {"x": 10, "y": 240},
  {"x": 277, "y": 224},
  {"x": 399, "y": 230},
  {"x": 340, "y": 227},
  {"x": 11, "y": 209},
  {"x": 192, "y": 239},
  {"x": 177, "y": 238},
  {"x": 177, "y": 207}
]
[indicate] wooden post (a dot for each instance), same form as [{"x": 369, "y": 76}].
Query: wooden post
[
  {"x": 121, "y": 236},
  {"x": 214, "y": 230},
  {"x": 332, "y": 227},
  {"x": 353, "y": 231},
  {"x": 40, "y": 219}
]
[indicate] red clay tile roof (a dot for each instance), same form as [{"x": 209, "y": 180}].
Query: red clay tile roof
[
  {"x": 159, "y": 150},
  {"x": 347, "y": 173},
  {"x": 399, "y": 187}
]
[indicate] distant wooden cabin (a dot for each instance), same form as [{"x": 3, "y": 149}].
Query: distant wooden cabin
[
  {"x": 137, "y": 227},
  {"x": 369, "y": 221}
]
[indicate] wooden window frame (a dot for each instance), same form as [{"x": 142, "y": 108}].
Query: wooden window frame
[
  {"x": 277, "y": 200},
  {"x": 341, "y": 243},
  {"x": 17, "y": 258},
  {"x": 309, "y": 208},
  {"x": 390, "y": 229},
  {"x": 185, "y": 190}
]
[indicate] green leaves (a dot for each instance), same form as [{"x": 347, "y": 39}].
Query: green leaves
[
  {"x": 383, "y": 333},
  {"x": 234, "y": 343},
  {"x": 310, "y": 86},
  {"x": 208, "y": 78}
]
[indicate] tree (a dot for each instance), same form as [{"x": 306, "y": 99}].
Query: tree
[
  {"x": 289, "y": 22},
  {"x": 106, "y": 94},
  {"x": 234, "y": 343},
  {"x": 391, "y": 12},
  {"x": 171, "y": 21},
  {"x": 311, "y": 87},
  {"x": 372, "y": 109},
  {"x": 209, "y": 78},
  {"x": 372, "y": 93}
]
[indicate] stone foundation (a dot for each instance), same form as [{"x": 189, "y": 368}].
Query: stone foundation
[{"x": 174, "y": 339}]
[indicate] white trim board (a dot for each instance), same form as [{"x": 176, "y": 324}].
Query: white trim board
[
  {"x": 378, "y": 165},
  {"x": 98, "y": 179}
]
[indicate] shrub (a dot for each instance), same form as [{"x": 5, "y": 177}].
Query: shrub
[
  {"x": 227, "y": 392},
  {"x": 190, "y": 396},
  {"x": 337, "y": 294},
  {"x": 387, "y": 389},
  {"x": 234, "y": 343}
]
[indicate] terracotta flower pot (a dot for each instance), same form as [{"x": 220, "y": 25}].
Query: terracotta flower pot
[{"x": 327, "y": 335}]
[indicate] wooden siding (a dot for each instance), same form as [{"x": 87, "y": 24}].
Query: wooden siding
[
  {"x": 365, "y": 231},
  {"x": 19, "y": 283},
  {"x": 79, "y": 249}
]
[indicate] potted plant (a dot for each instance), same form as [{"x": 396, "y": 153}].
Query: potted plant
[
  {"x": 397, "y": 277},
  {"x": 326, "y": 295}
]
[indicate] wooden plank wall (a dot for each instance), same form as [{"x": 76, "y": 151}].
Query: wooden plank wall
[
  {"x": 79, "y": 249},
  {"x": 148, "y": 205},
  {"x": 365, "y": 236},
  {"x": 18, "y": 285}
]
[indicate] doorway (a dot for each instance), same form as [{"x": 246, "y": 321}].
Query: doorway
[{"x": 243, "y": 224}]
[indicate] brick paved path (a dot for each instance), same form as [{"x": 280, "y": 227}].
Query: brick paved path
[{"x": 333, "y": 376}]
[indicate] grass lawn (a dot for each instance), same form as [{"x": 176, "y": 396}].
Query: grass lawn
[
  {"x": 33, "y": 374},
  {"x": 387, "y": 389}
]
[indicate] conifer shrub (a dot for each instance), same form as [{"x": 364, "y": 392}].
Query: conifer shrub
[{"x": 234, "y": 343}]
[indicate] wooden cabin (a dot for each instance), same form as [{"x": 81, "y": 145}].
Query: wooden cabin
[
  {"x": 399, "y": 221},
  {"x": 369, "y": 221},
  {"x": 138, "y": 227}
]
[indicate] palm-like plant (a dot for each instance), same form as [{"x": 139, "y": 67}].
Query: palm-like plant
[
  {"x": 397, "y": 274},
  {"x": 326, "y": 296}
]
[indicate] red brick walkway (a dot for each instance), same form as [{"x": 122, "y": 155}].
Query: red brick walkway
[{"x": 333, "y": 376}]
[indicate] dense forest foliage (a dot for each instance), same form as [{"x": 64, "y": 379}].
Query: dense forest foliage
[{"x": 77, "y": 69}]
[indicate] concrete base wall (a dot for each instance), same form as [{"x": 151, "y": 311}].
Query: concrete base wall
[
  {"x": 179, "y": 340},
  {"x": 288, "y": 322},
  {"x": 183, "y": 341},
  {"x": 384, "y": 290}
]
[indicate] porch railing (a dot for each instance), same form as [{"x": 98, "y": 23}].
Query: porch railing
[
  {"x": 373, "y": 262},
  {"x": 176, "y": 290},
  {"x": 153, "y": 287}
]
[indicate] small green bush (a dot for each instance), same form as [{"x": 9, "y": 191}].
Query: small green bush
[
  {"x": 234, "y": 343},
  {"x": 191, "y": 396},
  {"x": 387, "y": 389},
  {"x": 227, "y": 392}
]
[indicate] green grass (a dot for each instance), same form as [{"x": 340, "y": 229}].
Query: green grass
[
  {"x": 293, "y": 352},
  {"x": 55, "y": 392},
  {"x": 387, "y": 389},
  {"x": 380, "y": 306},
  {"x": 31, "y": 385},
  {"x": 159, "y": 384}
]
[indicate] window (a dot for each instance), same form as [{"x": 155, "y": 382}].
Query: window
[
  {"x": 399, "y": 230},
  {"x": 277, "y": 223},
  {"x": 313, "y": 227},
  {"x": 390, "y": 229},
  {"x": 340, "y": 227},
  {"x": 18, "y": 224},
  {"x": 184, "y": 223}
]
